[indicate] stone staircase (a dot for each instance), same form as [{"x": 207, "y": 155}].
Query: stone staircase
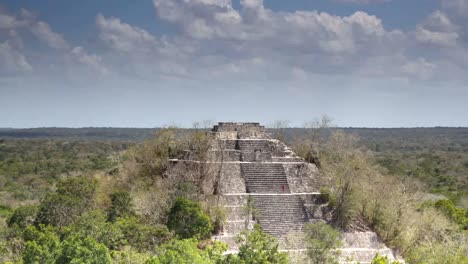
[
  {"x": 265, "y": 178},
  {"x": 253, "y": 145},
  {"x": 279, "y": 215}
]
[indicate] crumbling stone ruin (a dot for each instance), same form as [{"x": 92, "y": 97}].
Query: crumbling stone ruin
[{"x": 261, "y": 180}]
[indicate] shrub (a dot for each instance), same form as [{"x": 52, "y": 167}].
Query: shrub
[
  {"x": 382, "y": 260},
  {"x": 457, "y": 215},
  {"x": 256, "y": 247},
  {"x": 42, "y": 245},
  {"x": 188, "y": 251},
  {"x": 142, "y": 237},
  {"x": 83, "y": 250},
  {"x": 321, "y": 242},
  {"x": 129, "y": 257},
  {"x": 72, "y": 198},
  {"x": 187, "y": 220},
  {"x": 93, "y": 224},
  {"x": 22, "y": 216},
  {"x": 121, "y": 206},
  {"x": 326, "y": 196}
]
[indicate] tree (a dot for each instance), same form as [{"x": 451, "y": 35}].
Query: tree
[
  {"x": 22, "y": 216},
  {"x": 79, "y": 250},
  {"x": 152, "y": 157},
  {"x": 42, "y": 245},
  {"x": 187, "y": 219},
  {"x": 279, "y": 129},
  {"x": 140, "y": 236},
  {"x": 73, "y": 197},
  {"x": 257, "y": 247},
  {"x": 121, "y": 205},
  {"x": 382, "y": 260},
  {"x": 93, "y": 224},
  {"x": 314, "y": 132},
  {"x": 322, "y": 240},
  {"x": 188, "y": 251}
]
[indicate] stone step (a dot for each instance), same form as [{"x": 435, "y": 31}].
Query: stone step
[
  {"x": 265, "y": 178},
  {"x": 252, "y": 145},
  {"x": 278, "y": 214}
]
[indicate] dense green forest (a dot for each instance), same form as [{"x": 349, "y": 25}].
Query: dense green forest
[{"x": 100, "y": 195}]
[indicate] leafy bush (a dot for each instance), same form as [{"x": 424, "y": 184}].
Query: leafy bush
[
  {"x": 83, "y": 250},
  {"x": 129, "y": 257},
  {"x": 457, "y": 215},
  {"x": 42, "y": 245},
  {"x": 256, "y": 247},
  {"x": 327, "y": 196},
  {"x": 121, "y": 205},
  {"x": 23, "y": 216},
  {"x": 382, "y": 260},
  {"x": 72, "y": 198},
  {"x": 188, "y": 251},
  {"x": 153, "y": 155},
  {"x": 187, "y": 219},
  {"x": 93, "y": 224},
  {"x": 140, "y": 236},
  {"x": 321, "y": 242}
]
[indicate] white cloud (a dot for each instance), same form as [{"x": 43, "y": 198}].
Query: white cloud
[
  {"x": 437, "y": 29},
  {"x": 8, "y": 22},
  {"x": 224, "y": 38},
  {"x": 213, "y": 39},
  {"x": 459, "y": 6},
  {"x": 14, "y": 60},
  {"x": 44, "y": 33},
  {"x": 123, "y": 37},
  {"x": 91, "y": 60},
  {"x": 420, "y": 68},
  {"x": 11, "y": 60}
]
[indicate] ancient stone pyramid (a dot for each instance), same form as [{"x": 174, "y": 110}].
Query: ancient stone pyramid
[{"x": 262, "y": 181}]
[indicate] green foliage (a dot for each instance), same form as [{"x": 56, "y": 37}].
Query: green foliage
[
  {"x": 76, "y": 249},
  {"x": 187, "y": 251},
  {"x": 218, "y": 217},
  {"x": 121, "y": 206},
  {"x": 439, "y": 253},
  {"x": 457, "y": 215},
  {"x": 22, "y": 216},
  {"x": 257, "y": 247},
  {"x": 382, "y": 260},
  {"x": 30, "y": 167},
  {"x": 321, "y": 242},
  {"x": 78, "y": 187},
  {"x": 129, "y": 257},
  {"x": 42, "y": 245},
  {"x": 72, "y": 198},
  {"x": 327, "y": 196},
  {"x": 93, "y": 224},
  {"x": 5, "y": 211},
  {"x": 187, "y": 219},
  {"x": 153, "y": 155},
  {"x": 140, "y": 236}
]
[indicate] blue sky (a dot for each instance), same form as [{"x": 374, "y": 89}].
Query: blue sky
[{"x": 373, "y": 63}]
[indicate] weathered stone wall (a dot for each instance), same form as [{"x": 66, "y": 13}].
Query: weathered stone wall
[
  {"x": 227, "y": 155},
  {"x": 253, "y": 156},
  {"x": 244, "y": 130},
  {"x": 232, "y": 180}
]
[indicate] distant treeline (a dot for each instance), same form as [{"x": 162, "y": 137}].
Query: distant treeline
[
  {"x": 91, "y": 133},
  {"x": 377, "y": 139}
]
